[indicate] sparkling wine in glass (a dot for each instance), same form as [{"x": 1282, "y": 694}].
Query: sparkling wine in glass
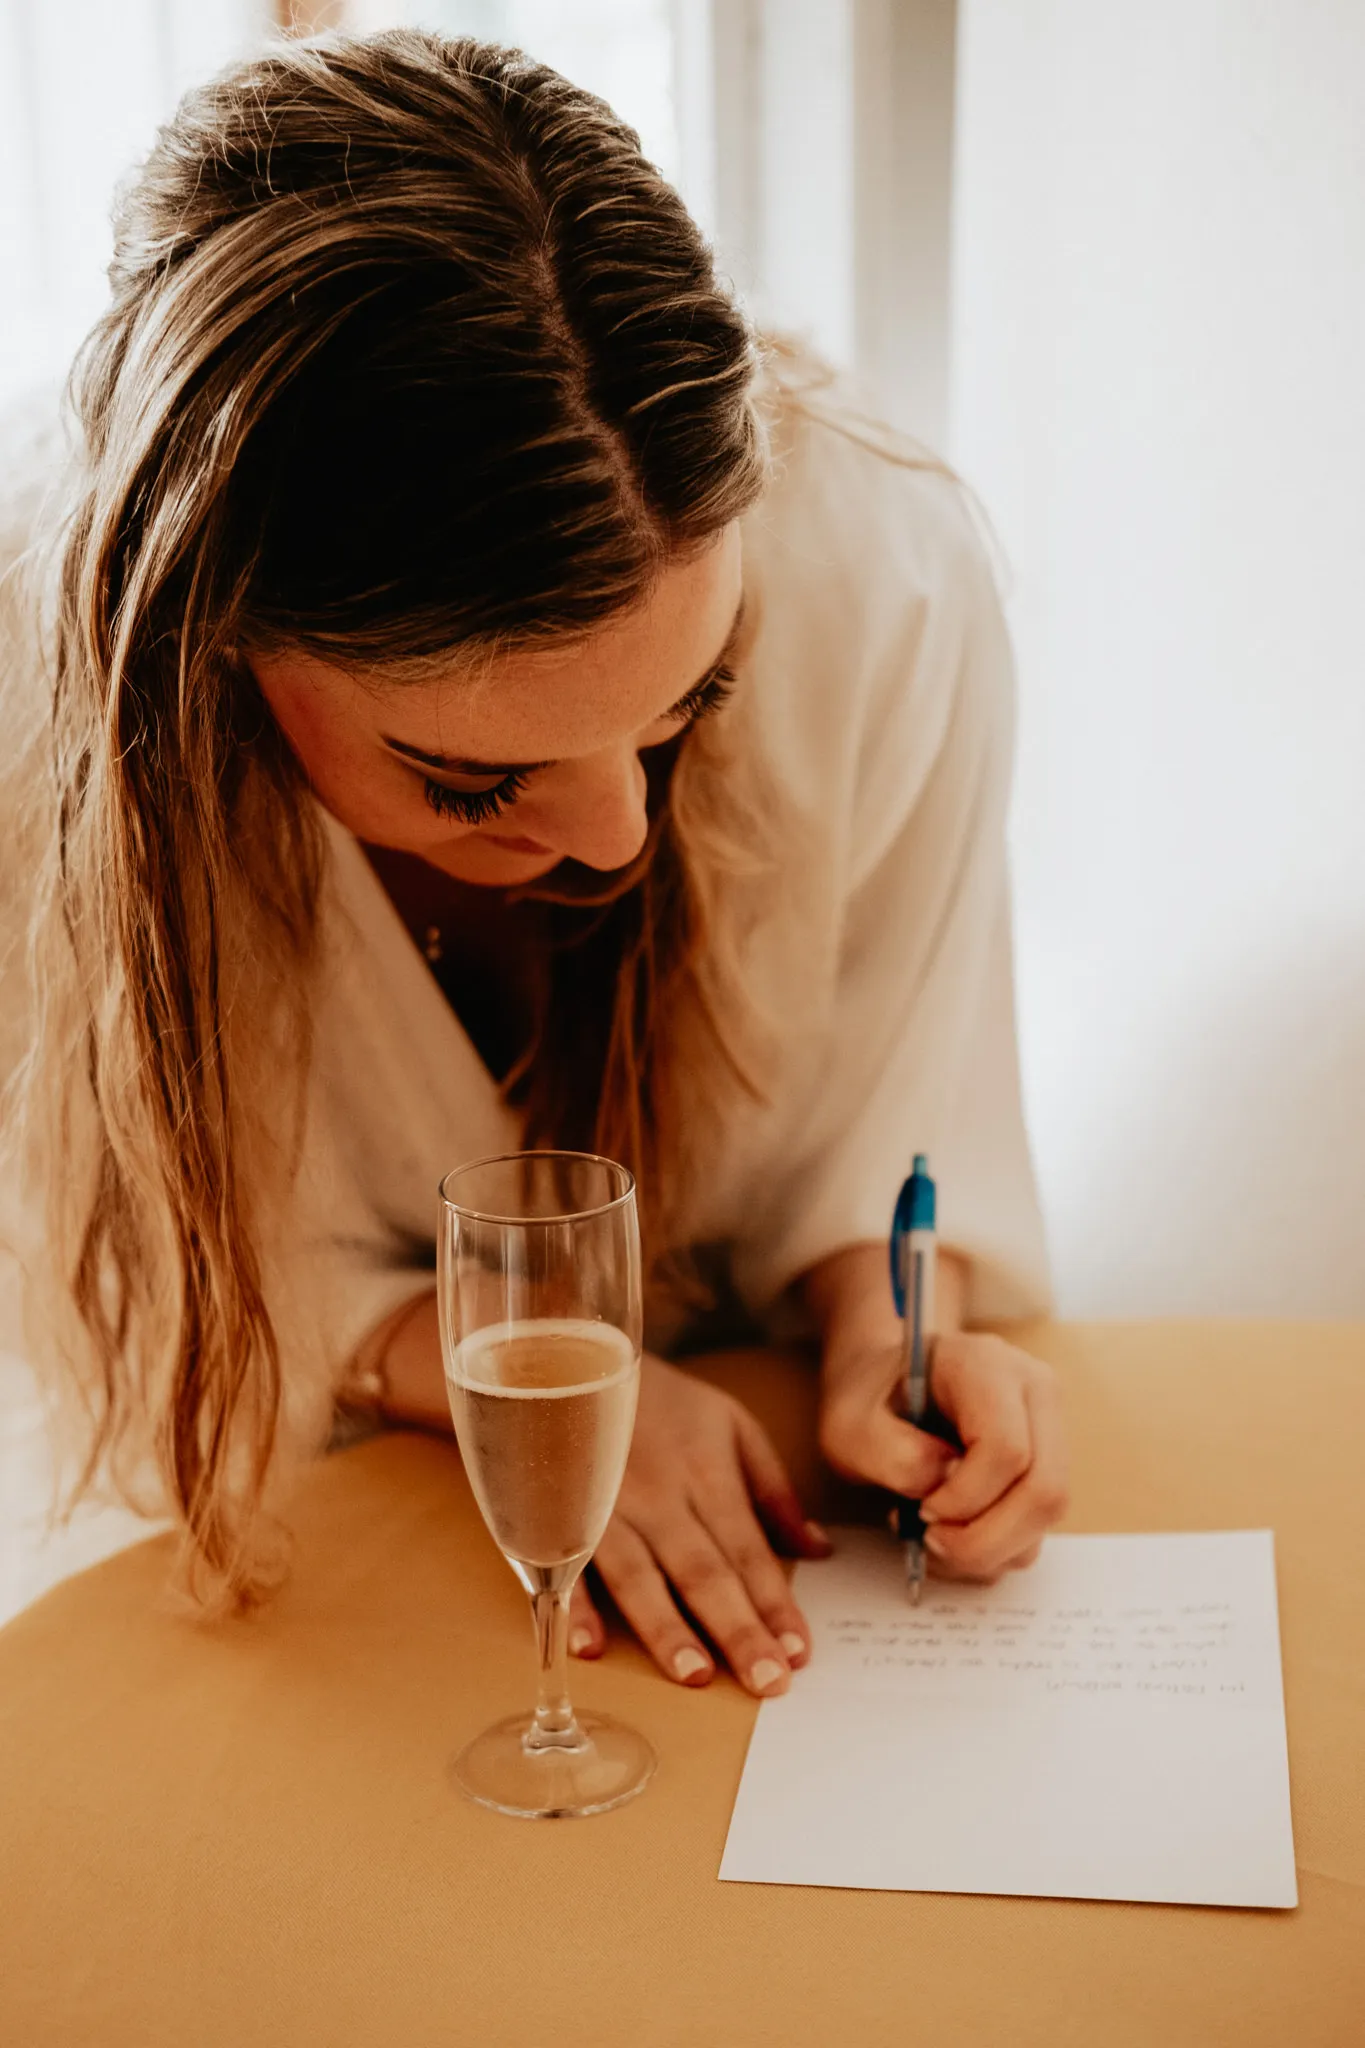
[{"x": 540, "y": 1310}]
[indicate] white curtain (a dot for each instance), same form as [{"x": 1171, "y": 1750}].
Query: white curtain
[{"x": 83, "y": 86}]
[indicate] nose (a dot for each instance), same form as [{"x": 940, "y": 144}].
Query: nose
[{"x": 605, "y": 819}]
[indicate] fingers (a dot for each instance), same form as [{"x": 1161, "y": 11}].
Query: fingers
[
  {"x": 683, "y": 1556},
  {"x": 641, "y": 1591},
  {"x": 1008, "y": 1533},
  {"x": 713, "y": 1590},
  {"x": 1007, "y": 1411},
  {"x": 741, "y": 1541},
  {"x": 984, "y": 1396},
  {"x": 773, "y": 1492},
  {"x": 862, "y": 1437},
  {"x": 587, "y": 1635}
]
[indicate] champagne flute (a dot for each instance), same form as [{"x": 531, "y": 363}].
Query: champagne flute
[{"x": 541, "y": 1327}]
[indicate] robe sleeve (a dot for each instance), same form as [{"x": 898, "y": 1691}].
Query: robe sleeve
[
  {"x": 358, "y": 1270},
  {"x": 919, "y": 1051}
]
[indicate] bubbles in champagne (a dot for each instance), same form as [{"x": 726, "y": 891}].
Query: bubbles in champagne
[{"x": 544, "y": 1412}]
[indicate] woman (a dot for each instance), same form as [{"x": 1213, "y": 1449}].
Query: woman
[{"x": 489, "y": 707}]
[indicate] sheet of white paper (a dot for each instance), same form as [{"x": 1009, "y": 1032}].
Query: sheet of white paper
[{"x": 1106, "y": 1725}]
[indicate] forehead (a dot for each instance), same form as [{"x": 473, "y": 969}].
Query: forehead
[
  {"x": 574, "y": 696},
  {"x": 571, "y": 697}
]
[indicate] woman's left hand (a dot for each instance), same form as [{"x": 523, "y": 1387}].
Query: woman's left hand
[{"x": 988, "y": 1506}]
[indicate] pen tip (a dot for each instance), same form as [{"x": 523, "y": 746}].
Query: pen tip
[{"x": 916, "y": 1587}]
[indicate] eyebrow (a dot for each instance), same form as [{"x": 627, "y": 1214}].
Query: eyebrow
[{"x": 459, "y": 764}]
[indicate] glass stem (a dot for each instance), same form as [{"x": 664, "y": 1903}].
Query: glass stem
[{"x": 554, "y": 1726}]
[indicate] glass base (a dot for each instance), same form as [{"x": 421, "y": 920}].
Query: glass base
[{"x": 609, "y": 1766}]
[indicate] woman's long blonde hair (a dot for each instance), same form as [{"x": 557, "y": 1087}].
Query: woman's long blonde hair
[{"x": 408, "y": 349}]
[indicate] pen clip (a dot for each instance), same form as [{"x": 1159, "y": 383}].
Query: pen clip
[{"x": 899, "y": 1239}]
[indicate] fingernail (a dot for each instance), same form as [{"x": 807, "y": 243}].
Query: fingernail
[
  {"x": 766, "y": 1672},
  {"x": 793, "y": 1644},
  {"x": 580, "y": 1639},
  {"x": 926, "y": 1514},
  {"x": 949, "y": 1469},
  {"x": 689, "y": 1662},
  {"x": 933, "y": 1541},
  {"x": 818, "y": 1535}
]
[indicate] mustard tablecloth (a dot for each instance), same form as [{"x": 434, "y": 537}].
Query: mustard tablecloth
[{"x": 242, "y": 1836}]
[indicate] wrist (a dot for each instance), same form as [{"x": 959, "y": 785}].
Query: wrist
[
  {"x": 397, "y": 1375},
  {"x": 358, "y": 1403},
  {"x": 849, "y": 1295}
]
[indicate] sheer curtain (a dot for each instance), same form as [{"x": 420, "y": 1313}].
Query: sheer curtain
[{"x": 83, "y": 86}]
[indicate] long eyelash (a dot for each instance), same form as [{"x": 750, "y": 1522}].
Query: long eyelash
[
  {"x": 708, "y": 697},
  {"x": 474, "y": 806}
]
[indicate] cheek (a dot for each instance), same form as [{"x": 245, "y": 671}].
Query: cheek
[
  {"x": 372, "y": 795},
  {"x": 382, "y": 804}
]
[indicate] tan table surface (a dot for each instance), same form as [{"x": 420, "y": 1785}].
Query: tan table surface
[{"x": 242, "y": 1835}]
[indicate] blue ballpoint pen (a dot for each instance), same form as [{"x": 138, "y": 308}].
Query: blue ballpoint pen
[{"x": 913, "y": 1259}]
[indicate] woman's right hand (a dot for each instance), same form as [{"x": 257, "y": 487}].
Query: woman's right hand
[{"x": 688, "y": 1555}]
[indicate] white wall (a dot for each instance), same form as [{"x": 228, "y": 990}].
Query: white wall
[{"x": 1159, "y": 390}]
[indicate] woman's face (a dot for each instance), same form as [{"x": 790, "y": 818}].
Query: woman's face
[{"x": 499, "y": 769}]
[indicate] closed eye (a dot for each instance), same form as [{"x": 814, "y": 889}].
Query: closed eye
[
  {"x": 473, "y": 806},
  {"x": 707, "y": 698}
]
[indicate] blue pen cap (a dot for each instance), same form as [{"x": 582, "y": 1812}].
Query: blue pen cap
[{"x": 919, "y": 1195}]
